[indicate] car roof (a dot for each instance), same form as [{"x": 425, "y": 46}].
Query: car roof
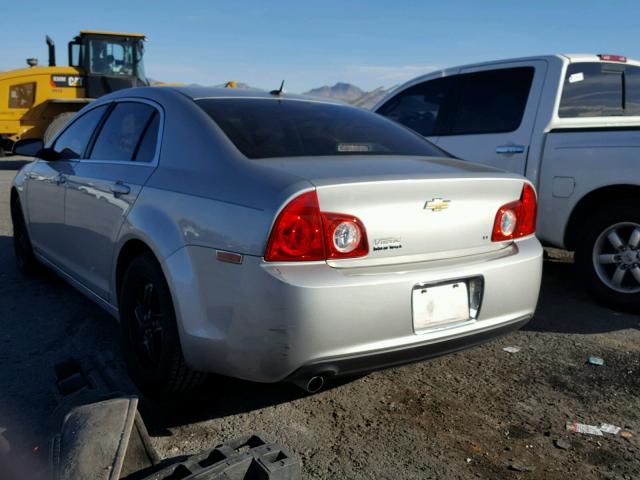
[{"x": 200, "y": 93}]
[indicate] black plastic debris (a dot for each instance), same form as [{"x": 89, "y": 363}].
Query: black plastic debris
[
  {"x": 247, "y": 458},
  {"x": 102, "y": 436},
  {"x": 101, "y": 441}
]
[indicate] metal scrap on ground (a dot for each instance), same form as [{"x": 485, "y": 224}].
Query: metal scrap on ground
[{"x": 595, "y": 361}]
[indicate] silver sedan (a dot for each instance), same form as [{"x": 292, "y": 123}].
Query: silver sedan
[{"x": 274, "y": 238}]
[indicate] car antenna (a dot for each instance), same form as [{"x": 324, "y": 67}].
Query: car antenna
[{"x": 278, "y": 92}]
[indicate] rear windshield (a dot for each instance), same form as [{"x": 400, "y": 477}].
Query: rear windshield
[
  {"x": 600, "y": 90},
  {"x": 265, "y": 128}
]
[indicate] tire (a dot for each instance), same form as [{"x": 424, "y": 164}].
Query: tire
[
  {"x": 150, "y": 335},
  {"x": 25, "y": 259},
  {"x": 607, "y": 256},
  {"x": 56, "y": 125}
]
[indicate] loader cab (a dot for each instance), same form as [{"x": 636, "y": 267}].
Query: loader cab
[{"x": 110, "y": 61}]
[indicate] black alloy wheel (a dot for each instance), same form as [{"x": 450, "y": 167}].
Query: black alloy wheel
[{"x": 150, "y": 335}]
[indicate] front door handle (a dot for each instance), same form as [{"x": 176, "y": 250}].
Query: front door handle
[
  {"x": 119, "y": 188},
  {"x": 61, "y": 179},
  {"x": 510, "y": 149}
]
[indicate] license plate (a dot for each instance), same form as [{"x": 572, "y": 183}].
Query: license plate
[{"x": 435, "y": 306}]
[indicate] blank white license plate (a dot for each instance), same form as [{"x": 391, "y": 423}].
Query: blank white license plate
[{"x": 440, "y": 305}]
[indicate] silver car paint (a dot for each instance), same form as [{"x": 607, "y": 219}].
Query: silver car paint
[{"x": 257, "y": 320}]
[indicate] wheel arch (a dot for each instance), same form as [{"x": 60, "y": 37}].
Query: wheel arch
[
  {"x": 14, "y": 197},
  {"x": 131, "y": 249},
  {"x": 591, "y": 201}
]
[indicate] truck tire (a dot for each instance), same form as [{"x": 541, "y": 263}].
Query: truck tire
[
  {"x": 56, "y": 125},
  {"x": 607, "y": 256},
  {"x": 151, "y": 342}
]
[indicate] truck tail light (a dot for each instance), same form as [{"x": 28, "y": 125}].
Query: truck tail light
[
  {"x": 605, "y": 57},
  {"x": 302, "y": 232},
  {"x": 516, "y": 219}
]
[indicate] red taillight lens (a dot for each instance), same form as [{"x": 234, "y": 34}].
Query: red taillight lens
[
  {"x": 516, "y": 219},
  {"x": 297, "y": 234},
  {"x": 303, "y": 233}
]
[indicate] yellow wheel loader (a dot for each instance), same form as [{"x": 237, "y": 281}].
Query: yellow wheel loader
[{"x": 35, "y": 102}]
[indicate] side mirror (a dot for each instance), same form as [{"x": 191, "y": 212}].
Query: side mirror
[
  {"x": 34, "y": 147},
  {"x": 29, "y": 147}
]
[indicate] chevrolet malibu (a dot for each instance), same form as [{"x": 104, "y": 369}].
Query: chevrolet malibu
[{"x": 272, "y": 237}]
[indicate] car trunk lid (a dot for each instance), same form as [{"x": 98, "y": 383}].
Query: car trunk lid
[{"x": 413, "y": 208}]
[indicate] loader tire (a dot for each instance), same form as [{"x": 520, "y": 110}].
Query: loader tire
[{"x": 56, "y": 125}]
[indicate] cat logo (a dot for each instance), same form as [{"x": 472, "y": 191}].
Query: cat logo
[{"x": 437, "y": 204}]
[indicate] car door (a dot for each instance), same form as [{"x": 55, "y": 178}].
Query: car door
[
  {"x": 46, "y": 189},
  {"x": 492, "y": 119},
  {"x": 104, "y": 186}
]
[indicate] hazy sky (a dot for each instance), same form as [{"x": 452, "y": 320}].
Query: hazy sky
[{"x": 309, "y": 44}]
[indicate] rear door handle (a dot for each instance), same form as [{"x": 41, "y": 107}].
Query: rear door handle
[
  {"x": 509, "y": 149},
  {"x": 119, "y": 188},
  {"x": 61, "y": 179}
]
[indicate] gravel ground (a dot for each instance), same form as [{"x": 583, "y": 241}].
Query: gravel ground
[{"x": 484, "y": 413}]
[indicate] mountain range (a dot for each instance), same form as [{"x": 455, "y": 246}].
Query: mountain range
[
  {"x": 342, "y": 91},
  {"x": 350, "y": 94}
]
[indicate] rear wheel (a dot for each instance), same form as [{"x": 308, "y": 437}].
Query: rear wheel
[
  {"x": 56, "y": 125},
  {"x": 25, "y": 259},
  {"x": 608, "y": 256},
  {"x": 151, "y": 342}
]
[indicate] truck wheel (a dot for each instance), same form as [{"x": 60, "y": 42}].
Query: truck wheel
[
  {"x": 56, "y": 125},
  {"x": 608, "y": 256},
  {"x": 150, "y": 334}
]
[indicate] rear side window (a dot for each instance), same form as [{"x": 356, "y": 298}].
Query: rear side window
[
  {"x": 72, "y": 143},
  {"x": 491, "y": 101},
  {"x": 421, "y": 107},
  {"x": 265, "y": 128},
  {"x": 600, "y": 90},
  {"x": 122, "y": 132},
  {"x": 147, "y": 148}
]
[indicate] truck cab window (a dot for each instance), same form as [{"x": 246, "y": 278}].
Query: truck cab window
[
  {"x": 492, "y": 101},
  {"x": 632, "y": 84},
  {"x": 592, "y": 90},
  {"x": 421, "y": 107},
  {"x": 111, "y": 58}
]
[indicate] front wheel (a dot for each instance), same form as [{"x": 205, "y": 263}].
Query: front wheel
[
  {"x": 608, "y": 256},
  {"x": 151, "y": 343}
]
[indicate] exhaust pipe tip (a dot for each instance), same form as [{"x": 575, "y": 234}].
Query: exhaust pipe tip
[
  {"x": 310, "y": 384},
  {"x": 314, "y": 384}
]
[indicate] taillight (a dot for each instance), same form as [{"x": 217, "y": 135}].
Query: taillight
[
  {"x": 297, "y": 234},
  {"x": 303, "y": 233},
  {"x": 605, "y": 57},
  {"x": 516, "y": 219},
  {"x": 345, "y": 236}
]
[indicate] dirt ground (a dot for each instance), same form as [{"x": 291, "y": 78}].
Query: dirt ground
[{"x": 483, "y": 413}]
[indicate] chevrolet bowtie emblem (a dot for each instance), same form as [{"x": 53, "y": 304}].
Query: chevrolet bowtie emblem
[{"x": 437, "y": 204}]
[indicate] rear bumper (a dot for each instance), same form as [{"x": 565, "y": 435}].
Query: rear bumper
[
  {"x": 269, "y": 322},
  {"x": 352, "y": 365}
]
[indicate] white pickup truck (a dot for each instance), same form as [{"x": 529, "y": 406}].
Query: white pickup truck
[{"x": 571, "y": 124}]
